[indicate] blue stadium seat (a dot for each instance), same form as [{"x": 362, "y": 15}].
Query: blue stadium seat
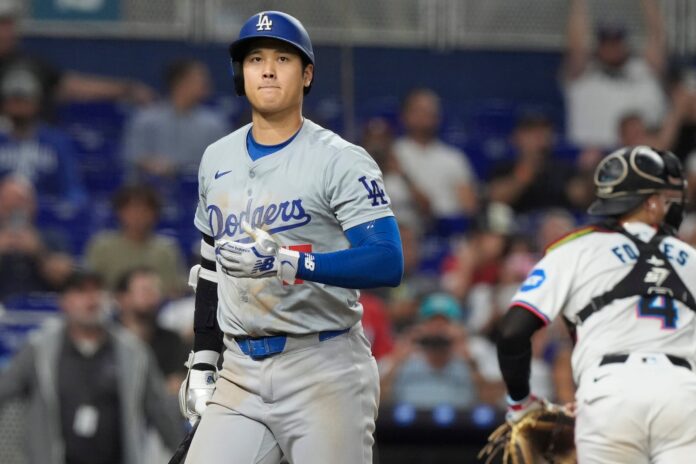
[
  {"x": 97, "y": 129},
  {"x": 39, "y": 301},
  {"x": 67, "y": 220}
]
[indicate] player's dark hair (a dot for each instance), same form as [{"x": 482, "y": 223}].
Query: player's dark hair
[
  {"x": 136, "y": 193},
  {"x": 177, "y": 71},
  {"x": 80, "y": 278}
]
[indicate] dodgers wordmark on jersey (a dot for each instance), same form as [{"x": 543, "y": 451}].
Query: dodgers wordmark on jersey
[
  {"x": 570, "y": 275},
  {"x": 305, "y": 195}
]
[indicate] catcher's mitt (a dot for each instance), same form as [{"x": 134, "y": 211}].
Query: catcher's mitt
[{"x": 542, "y": 436}]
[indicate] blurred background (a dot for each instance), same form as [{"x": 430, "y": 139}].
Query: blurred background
[{"x": 486, "y": 117}]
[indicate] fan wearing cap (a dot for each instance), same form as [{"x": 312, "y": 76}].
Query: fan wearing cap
[
  {"x": 294, "y": 220},
  {"x": 604, "y": 84},
  {"x": 44, "y": 155},
  {"x": 625, "y": 288},
  {"x": 430, "y": 364},
  {"x": 535, "y": 179},
  {"x": 91, "y": 387}
]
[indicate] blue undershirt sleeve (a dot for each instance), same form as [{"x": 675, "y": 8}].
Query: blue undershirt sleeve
[{"x": 375, "y": 258}]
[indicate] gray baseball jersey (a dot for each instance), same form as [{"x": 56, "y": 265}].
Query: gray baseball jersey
[{"x": 305, "y": 195}]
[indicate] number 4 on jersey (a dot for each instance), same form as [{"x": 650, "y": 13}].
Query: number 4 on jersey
[{"x": 659, "y": 307}]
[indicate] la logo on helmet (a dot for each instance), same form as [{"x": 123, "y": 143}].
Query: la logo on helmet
[{"x": 264, "y": 23}]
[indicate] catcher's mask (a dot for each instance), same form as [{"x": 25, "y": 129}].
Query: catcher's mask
[{"x": 626, "y": 177}]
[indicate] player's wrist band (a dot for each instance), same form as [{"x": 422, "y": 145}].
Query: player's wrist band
[
  {"x": 205, "y": 357},
  {"x": 289, "y": 264}
]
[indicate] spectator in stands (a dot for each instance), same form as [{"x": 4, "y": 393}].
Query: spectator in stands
[
  {"x": 633, "y": 130},
  {"x": 534, "y": 179},
  {"x": 31, "y": 259},
  {"x": 403, "y": 300},
  {"x": 472, "y": 272},
  {"x": 442, "y": 172},
  {"x": 554, "y": 224},
  {"x": 581, "y": 186},
  {"x": 135, "y": 243},
  {"x": 170, "y": 137},
  {"x": 92, "y": 388},
  {"x": 139, "y": 295},
  {"x": 690, "y": 169},
  {"x": 60, "y": 85},
  {"x": 687, "y": 231},
  {"x": 604, "y": 85},
  {"x": 177, "y": 316},
  {"x": 684, "y": 81},
  {"x": 430, "y": 365},
  {"x": 410, "y": 205},
  {"x": 46, "y": 156},
  {"x": 477, "y": 260}
]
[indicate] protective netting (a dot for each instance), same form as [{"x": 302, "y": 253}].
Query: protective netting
[{"x": 530, "y": 24}]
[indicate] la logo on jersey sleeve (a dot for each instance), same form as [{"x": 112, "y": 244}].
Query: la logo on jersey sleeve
[{"x": 374, "y": 192}]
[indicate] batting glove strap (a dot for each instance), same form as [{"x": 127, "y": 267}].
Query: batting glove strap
[
  {"x": 203, "y": 357},
  {"x": 289, "y": 262}
]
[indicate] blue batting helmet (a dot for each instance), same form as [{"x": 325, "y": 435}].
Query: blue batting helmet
[{"x": 270, "y": 25}]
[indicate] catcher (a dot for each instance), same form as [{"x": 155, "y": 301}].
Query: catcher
[{"x": 625, "y": 287}]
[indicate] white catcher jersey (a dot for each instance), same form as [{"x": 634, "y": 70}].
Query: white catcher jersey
[
  {"x": 573, "y": 273},
  {"x": 305, "y": 195}
]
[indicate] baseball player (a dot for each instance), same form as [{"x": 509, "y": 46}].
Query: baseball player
[
  {"x": 293, "y": 219},
  {"x": 625, "y": 287}
]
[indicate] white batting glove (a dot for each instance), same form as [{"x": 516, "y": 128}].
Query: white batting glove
[
  {"x": 264, "y": 257},
  {"x": 518, "y": 409},
  {"x": 197, "y": 388}
]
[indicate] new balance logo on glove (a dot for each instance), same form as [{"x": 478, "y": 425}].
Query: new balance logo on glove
[{"x": 264, "y": 265}]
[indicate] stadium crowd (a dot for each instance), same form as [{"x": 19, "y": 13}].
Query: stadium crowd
[{"x": 469, "y": 240}]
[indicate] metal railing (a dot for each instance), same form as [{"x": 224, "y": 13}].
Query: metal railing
[{"x": 445, "y": 24}]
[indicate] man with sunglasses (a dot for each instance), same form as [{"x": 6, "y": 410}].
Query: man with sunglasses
[{"x": 625, "y": 287}]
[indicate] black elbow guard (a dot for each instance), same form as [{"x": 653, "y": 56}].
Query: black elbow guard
[{"x": 208, "y": 335}]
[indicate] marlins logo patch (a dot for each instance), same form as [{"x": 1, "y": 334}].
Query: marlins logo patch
[{"x": 534, "y": 280}]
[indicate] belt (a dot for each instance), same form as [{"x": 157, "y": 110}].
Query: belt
[
  {"x": 263, "y": 347},
  {"x": 622, "y": 358}
]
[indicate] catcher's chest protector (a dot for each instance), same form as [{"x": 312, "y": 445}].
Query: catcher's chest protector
[{"x": 652, "y": 277}]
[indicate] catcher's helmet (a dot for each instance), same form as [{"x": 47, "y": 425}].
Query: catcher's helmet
[
  {"x": 271, "y": 25},
  {"x": 626, "y": 177}
]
